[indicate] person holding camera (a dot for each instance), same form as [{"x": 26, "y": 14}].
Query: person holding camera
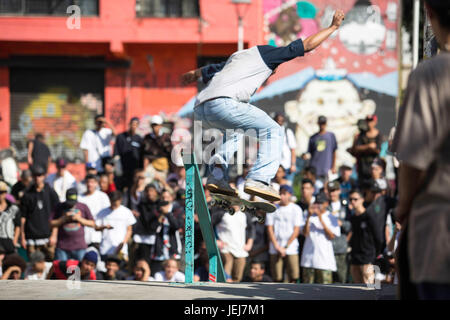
[
  {"x": 70, "y": 218},
  {"x": 96, "y": 143},
  {"x": 366, "y": 147}
]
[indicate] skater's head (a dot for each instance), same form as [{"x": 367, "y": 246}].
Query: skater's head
[{"x": 439, "y": 13}]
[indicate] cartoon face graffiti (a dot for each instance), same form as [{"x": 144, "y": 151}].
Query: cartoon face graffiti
[
  {"x": 363, "y": 30},
  {"x": 337, "y": 100}
]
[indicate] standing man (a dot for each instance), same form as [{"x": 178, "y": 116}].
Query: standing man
[
  {"x": 128, "y": 147},
  {"x": 322, "y": 149},
  {"x": 96, "y": 143},
  {"x": 320, "y": 228},
  {"x": 288, "y": 157},
  {"x": 36, "y": 206},
  {"x": 62, "y": 180},
  {"x": 422, "y": 143},
  {"x": 223, "y": 104},
  {"x": 283, "y": 228},
  {"x": 39, "y": 153}
]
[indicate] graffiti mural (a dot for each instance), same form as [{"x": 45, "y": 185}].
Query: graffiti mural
[
  {"x": 59, "y": 115},
  {"x": 351, "y": 75}
]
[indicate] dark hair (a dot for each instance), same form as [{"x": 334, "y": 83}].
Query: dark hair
[
  {"x": 304, "y": 181},
  {"x": 115, "y": 195},
  {"x": 311, "y": 170},
  {"x": 442, "y": 10},
  {"x": 107, "y": 160},
  {"x": 358, "y": 191},
  {"x": 39, "y": 136},
  {"x": 14, "y": 259},
  {"x": 91, "y": 177},
  {"x": 261, "y": 264},
  {"x": 98, "y": 116}
]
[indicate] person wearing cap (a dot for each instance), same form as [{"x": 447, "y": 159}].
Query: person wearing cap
[
  {"x": 422, "y": 144},
  {"x": 224, "y": 104},
  {"x": 283, "y": 229},
  {"x": 322, "y": 148},
  {"x": 38, "y": 268},
  {"x": 339, "y": 209},
  {"x": 9, "y": 221},
  {"x": 320, "y": 228},
  {"x": 19, "y": 188},
  {"x": 366, "y": 147},
  {"x": 38, "y": 152},
  {"x": 96, "y": 143},
  {"x": 36, "y": 206},
  {"x": 128, "y": 147},
  {"x": 61, "y": 180},
  {"x": 70, "y": 218},
  {"x": 157, "y": 150},
  {"x": 62, "y": 270}
]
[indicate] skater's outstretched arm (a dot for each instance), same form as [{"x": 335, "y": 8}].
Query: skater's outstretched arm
[
  {"x": 206, "y": 73},
  {"x": 315, "y": 40}
]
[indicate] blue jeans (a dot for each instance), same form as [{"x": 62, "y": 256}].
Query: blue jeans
[
  {"x": 236, "y": 119},
  {"x": 65, "y": 255}
]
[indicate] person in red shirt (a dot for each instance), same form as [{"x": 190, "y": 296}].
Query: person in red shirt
[{"x": 61, "y": 270}]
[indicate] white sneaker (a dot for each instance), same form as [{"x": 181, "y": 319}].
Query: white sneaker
[{"x": 261, "y": 190}]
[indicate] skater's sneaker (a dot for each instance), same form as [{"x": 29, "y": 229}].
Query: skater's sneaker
[
  {"x": 261, "y": 190},
  {"x": 220, "y": 186}
]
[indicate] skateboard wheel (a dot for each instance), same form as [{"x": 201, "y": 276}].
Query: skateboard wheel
[
  {"x": 231, "y": 211},
  {"x": 261, "y": 219},
  {"x": 213, "y": 202},
  {"x": 243, "y": 208}
]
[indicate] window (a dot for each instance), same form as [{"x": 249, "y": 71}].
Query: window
[
  {"x": 167, "y": 8},
  {"x": 47, "y": 7}
]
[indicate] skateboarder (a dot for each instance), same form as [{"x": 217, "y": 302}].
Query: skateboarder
[{"x": 223, "y": 104}]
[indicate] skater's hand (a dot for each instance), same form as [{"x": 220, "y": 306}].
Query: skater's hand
[{"x": 338, "y": 17}]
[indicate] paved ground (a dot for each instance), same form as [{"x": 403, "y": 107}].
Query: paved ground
[{"x": 130, "y": 290}]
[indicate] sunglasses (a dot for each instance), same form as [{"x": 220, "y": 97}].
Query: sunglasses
[
  {"x": 354, "y": 199},
  {"x": 2, "y": 191}
]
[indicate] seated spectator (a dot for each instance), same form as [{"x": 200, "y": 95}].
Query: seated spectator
[
  {"x": 347, "y": 183},
  {"x": 170, "y": 273},
  {"x": 113, "y": 271},
  {"x": 39, "y": 268},
  {"x": 257, "y": 273},
  {"x": 363, "y": 240},
  {"x": 18, "y": 190},
  {"x": 70, "y": 218},
  {"x": 121, "y": 219},
  {"x": 9, "y": 221},
  {"x": 321, "y": 227},
  {"x": 96, "y": 201},
  {"x": 260, "y": 248},
  {"x": 141, "y": 272},
  {"x": 283, "y": 228},
  {"x": 62, "y": 270},
  {"x": 62, "y": 180},
  {"x": 13, "y": 267}
]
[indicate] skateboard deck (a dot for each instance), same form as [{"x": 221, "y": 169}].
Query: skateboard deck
[{"x": 226, "y": 202}]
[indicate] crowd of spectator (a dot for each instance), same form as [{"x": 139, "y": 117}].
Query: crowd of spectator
[{"x": 125, "y": 219}]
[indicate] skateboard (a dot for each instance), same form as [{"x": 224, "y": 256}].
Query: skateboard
[{"x": 226, "y": 202}]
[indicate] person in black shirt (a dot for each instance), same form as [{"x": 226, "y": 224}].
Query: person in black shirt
[
  {"x": 39, "y": 153},
  {"x": 36, "y": 206},
  {"x": 113, "y": 272},
  {"x": 362, "y": 241},
  {"x": 18, "y": 190},
  {"x": 128, "y": 146}
]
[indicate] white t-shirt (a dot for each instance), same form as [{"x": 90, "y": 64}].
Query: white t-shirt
[
  {"x": 61, "y": 184},
  {"x": 231, "y": 230},
  {"x": 31, "y": 275},
  {"x": 96, "y": 202},
  {"x": 318, "y": 249},
  {"x": 284, "y": 220},
  {"x": 97, "y": 143},
  {"x": 177, "y": 277},
  {"x": 119, "y": 219},
  {"x": 288, "y": 144}
]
